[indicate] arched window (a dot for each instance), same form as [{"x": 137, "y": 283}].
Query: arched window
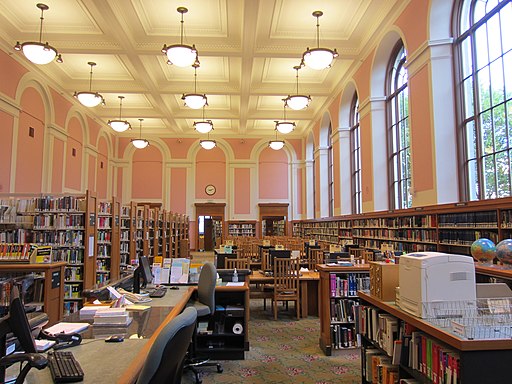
[
  {"x": 397, "y": 101},
  {"x": 355, "y": 145},
  {"x": 484, "y": 60},
  {"x": 330, "y": 173}
]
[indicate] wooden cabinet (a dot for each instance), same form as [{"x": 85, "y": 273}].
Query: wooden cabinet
[
  {"x": 383, "y": 280},
  {"x": 337, "y": 295}
]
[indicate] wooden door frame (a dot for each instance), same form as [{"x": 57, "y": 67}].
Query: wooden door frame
[{"x": 210, "y": 209}]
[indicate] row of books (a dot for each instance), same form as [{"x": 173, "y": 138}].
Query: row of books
[
  {"x": 104, "y": 250},
  {"x": 18, "y": 235},
  {"x": 105, "y": 236},
  {"x": 69, "y": 255},
  {"x": 73, "y": 274},
  {"x": 454, "y": 236},
  {"x": 59, "y": 221},
  {"x": 105, "y": 207},
  {"x": 427, "y": 235},
  {"x": 51, "y": 203},
  {"x": 70, "y": 238},
  {"x": 342, "y": 286},
  {"x": 72, "y": 291},
  {"x": 71, "y": 307},
  {"x": 469, "y": 219},
  {"x": 378, "y": 368},
  {"x": 15, "y": 252},
  {"x": 344, "y": 337},
  {"x": 104, "y": 222},
  {"x": 417, "y": 221},
  {"x": 342, "y": 310}
]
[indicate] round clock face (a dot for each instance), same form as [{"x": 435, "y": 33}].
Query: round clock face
[{"x": 210, "y": 189}]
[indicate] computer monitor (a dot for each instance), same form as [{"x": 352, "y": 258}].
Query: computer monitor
[
  {"x": 220, "y": 260},
  {"x": 142, "y": 275},
  {"x": 333, "y": 257},
  {"x": 16, "y": 322},
  {"x": 279, "y": 253}
]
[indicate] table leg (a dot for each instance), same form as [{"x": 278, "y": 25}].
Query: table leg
[{"x": 304, "y": 299}]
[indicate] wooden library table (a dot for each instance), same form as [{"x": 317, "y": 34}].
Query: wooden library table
[{"x": 308, "y": 289}]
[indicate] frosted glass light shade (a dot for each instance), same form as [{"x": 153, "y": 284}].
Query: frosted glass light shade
[
  {"x": 38, "y": 53},
  {"x": 89, "y": 99},
  {"x": 203, "y": 126},
  {"x": 140, "y": 143},
  {"x": 276, "y": 145},
  {"x": 319, "y": 58},
  {"x": 297, "y": 102},
  {"x": 208, "y": 144},
  {"x": 180, "y": 55},
  {"x": 119, "y": 125},
  {"x": 195, "y": 100},
  {"x": 285, "y": 126}
]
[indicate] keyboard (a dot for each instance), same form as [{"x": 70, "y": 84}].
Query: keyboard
[
  {"x": 64, "y": 367},
  {"x": 158, "y": 292}
]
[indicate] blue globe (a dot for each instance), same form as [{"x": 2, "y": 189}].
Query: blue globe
[
  {"x": 504, "y": 252},
  {"x": 483, "y": 250}
]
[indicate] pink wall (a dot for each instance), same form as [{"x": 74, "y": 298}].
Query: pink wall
[
  {"x": 242, "y": 148},
  {"x": 413, "y": 22},
  {"x": 102, "y": 171},
  {"x": 297, "y": 145},
  {"x": 273, "y": 175},
  {"x": 242, "y": 191},
  {"x": 147, "y": 173},
  {"x": 10, "y": 74},
  {"x": 29, "y": 152},
  {"x": 178, "y": 190},
  {"x": 6, "y": 122},
  {"x": 210, "y": 169},
  {"x": 180, "y": 147},
  {"x": 73, "y": 179},
  {"x": 119, "y": 190},
  {"x": 57, "y": 165},
  {"x": 94, "y": 130},
  {"x": 91, "y": 176},
  {"x": 61, "y": 107},
  {"x": 363, "y": 76}
]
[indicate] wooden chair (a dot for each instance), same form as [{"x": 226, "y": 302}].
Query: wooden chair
[
  {"x": 286, "y": 283},
  {"x": 316, "y": 256},
  {"x": 237, "y": 263}
]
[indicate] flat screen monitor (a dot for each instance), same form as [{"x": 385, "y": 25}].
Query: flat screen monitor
[
  {"x": 333, "y": 257},
  {"x": 280, "y": 253},
  {"x": 220, "y": 260},
  {"x": 142, "y": 275}
]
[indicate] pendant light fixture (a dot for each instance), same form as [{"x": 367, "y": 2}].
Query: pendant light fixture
[
  {"x": 318, "y": 58},
  {"x": 180, "y": 55},
  {"x": 90, "y": 99},
  {"x": 119, "y": 125},
  {"x": 297, "y": 102},
  {"x": 203, "y": 126},
  {"x": 195, "y": 100},
  {"x": 276, "y": 145},
  {"x": 39, "y": 52},
  {"x": 284, "y": 126},
  {"x": 208, "y": 143},
  {"x": 140, "y": 143}
]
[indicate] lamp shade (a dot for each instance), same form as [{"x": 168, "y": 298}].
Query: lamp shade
[
  {"x": 119, "y": 125},
  {"x": 318, "y": 58},
  {"x": 140, "y": 143},
  {"x": 208, "y": 144},
  {"x": 89, "y": 99},
  {"x": 180, "y": 55},
  {"x": 285, "y": 127},
  {"x": 276, "y": 145},
  {"x": 195, "y": 100},
  {"x": 203, "y": 126},
  {"x": 39, "y": 53},
  {"x": 297, "y": 102}
]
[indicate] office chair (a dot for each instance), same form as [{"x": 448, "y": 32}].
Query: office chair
[
  {"x": 164, "y": 363},
  {"x": 205, "y": 306}
]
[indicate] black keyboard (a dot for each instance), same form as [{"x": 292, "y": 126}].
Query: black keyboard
[
  {"x": 64, "y": 367},
  {"x": 158, "y": 292}
]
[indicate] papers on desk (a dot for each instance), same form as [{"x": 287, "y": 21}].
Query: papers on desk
[
  {"x": 43, "y": 345},
  {"x": 66, "y": 328},
  {"x": 235, "y": 284}
]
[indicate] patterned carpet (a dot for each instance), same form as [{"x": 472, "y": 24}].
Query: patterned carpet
[{"x": 284, "y": 351}]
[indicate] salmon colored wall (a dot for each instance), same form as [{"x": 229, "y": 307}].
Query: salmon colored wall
[
  {"x": 180, "y": 147},
  {"x": 362, "y": 77},
  {"x": 57, "y": 165},
  {"x": 119, "y": 191},
  {"x": 6, "y": 122},
  {"x": 242, "y": 147},
  {"x": 92, "y": 174},
  {"x": 73, "y": 179},
  {"x": 334, "y": 111},
  {"x": 102, "y": 172},
  {"x": 147, "y": 174},
  {"x": 273, "y": 175},
  {"x": 210, "y": 169},
  {"x": 413, "y": 22},
  {"x": 366, "y": 158},
  {"x": 178, "y": 190},
  {"x": 61, "y": 107},
  {"x": 29, "y": 152},
  {"x": 298, "y": 202},
  {"x": 94, "y": 130},
  {"x": 297, "y": 146},
  {"x": 421, "y": 137},
  {"x": 242, "y": 191},
  {"x": 10, "y": 74}
]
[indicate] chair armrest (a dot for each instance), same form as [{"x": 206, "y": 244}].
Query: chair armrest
[{"x": 35, "y": 360}]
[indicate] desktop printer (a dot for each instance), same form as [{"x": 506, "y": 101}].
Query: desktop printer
[{"x": 430, "y": 279}]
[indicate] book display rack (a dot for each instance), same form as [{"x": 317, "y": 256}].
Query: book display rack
[
  {"x": 242, "y": 228},
  {"x": 124, "y": 239}
]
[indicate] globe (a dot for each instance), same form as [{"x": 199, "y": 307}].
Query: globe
[
  {"x": 483, "y": 250},
  {"x": 504, "y": 252}
]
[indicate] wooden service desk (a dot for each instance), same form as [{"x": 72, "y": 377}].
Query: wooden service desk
[
  {"x": 308, "y": 291},
  {"x": 121, "y": 362}
]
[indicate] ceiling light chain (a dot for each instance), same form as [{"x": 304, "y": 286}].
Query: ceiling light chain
[
  {"x": 276, "y": 144},
  {"x": 297, "y": 102},
  {"x": 181, "y": 55},
  {"x": 140, "y": 143},
  {"x": 203, "y": 126},
  {"x": 195, "y": 100},
  {"x": 318, "y": 58},
  {"x": 39, "y": 52},
  {"x": 119, "y": 125},
  {"x": 285, "y": 126},
  {"x": 208, "y": 143},
  {"x": 90, "y": 99}
]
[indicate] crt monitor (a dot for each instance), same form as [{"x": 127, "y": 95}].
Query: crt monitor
[
  {"x": 142, "y": 275},
  {"x": 333, "y": 257},
  {"x": 220, "y": 259},
  {"x": 280, "y": 253}
]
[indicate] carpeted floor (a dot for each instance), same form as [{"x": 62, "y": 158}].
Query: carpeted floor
[{"x": 284, "y": 351}]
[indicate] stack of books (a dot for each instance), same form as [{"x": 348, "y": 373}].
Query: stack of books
[{"x": 115, "y": 317}]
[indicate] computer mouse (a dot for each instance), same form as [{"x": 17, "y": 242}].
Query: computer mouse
[
  {"x": 174, "y": 287},
  {"x": 114, "y": 339}
]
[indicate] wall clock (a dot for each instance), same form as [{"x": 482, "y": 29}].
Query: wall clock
[{"x": 210, "y": 189}]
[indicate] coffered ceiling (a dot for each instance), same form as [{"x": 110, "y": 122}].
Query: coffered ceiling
[{"x": 247, "y": 50}]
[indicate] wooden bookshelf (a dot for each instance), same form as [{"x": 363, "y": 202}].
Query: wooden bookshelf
[{"x": 242, "y": 228}]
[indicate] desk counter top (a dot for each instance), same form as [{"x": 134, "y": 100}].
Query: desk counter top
[{"x": 259, "y": 276}]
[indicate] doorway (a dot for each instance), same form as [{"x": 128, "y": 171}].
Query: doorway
[{"x": 210, "y": 232}]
